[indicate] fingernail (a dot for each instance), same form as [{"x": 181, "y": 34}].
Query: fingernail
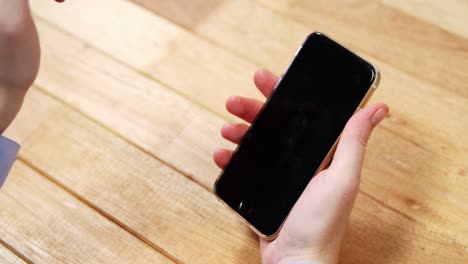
[
  {"x": 226, "y": 126},
  {"x": 217, "y": 151},
  {"x": 232, "y": 98},
  {"x": 260, "y": 76},
  {"x": 378, "y": 116}
]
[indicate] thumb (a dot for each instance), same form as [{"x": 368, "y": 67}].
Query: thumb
[{"x": 349, "y": 155}]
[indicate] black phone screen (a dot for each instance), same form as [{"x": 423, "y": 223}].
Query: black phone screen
[{"x": 294, "y": 132}]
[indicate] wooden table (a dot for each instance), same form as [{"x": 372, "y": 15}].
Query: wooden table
[{"x": 118, "y": 130}]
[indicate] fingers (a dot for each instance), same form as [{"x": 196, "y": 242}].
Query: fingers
[
  {"x": 234, "y": 132},
  {"x": 244, "y": 108},
  {"x": 265, "y": 81},
  {"x": 222, "y": 157},
  {"x": 349, "y": 156}
]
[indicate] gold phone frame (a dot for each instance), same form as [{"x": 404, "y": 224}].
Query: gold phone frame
[{"x": 328, "y": 158}]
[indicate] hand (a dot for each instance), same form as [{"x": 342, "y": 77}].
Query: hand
[
  {"x": 314, "y": 229},
  {"x": 19, "y": 57}
]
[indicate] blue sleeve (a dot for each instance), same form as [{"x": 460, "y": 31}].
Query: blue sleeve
[{"x": 8, "y": 155}]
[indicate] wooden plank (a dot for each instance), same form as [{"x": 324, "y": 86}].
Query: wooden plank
[
  {"x": 132, "y": 44},
  {"x": 48, "y": 225},
  {"x": 450, "y": 14},
  {"x": 170, "y": 55},
  {"x": 108, "y": 107},
  {"x": 395, "y": 160},
  {"x": 224, "y": 25},
  {"x": 247, "y": 29},
  {"x": 7, "y": 257},
  {"x": 371, "y": 27},
  {"x": 156, "y": 203},
  {"x": 189, "y": 14},
  {"x": 416, "y": 159},
  {"x": 153, "y": 117},
  {"x": 142, "y": 195},
  {"x": 377, "y": 236},
  {"x": 416, "y": 47},
  {"x": 426, "y": 187}
]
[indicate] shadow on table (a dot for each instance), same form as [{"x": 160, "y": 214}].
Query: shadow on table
[{"x": 188, "y": 14}]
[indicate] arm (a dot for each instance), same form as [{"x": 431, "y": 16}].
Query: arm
[
  {"x": 19, "y": 64},
  {"x": 19, "y": 57}
]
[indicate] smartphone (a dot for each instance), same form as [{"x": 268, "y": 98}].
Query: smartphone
[{"x": 295, "y": 134}]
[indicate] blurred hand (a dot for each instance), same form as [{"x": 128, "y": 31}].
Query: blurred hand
[
  {"x": 315, "y": 227},
  {"x": 19, "y": 57}
]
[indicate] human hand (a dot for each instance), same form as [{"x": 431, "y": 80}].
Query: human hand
[
  {"x": 19, "y": 57},
  {"x": 315, "y": 227}
]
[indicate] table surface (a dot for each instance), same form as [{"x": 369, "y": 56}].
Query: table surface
[{"x": 118, "y": 130}]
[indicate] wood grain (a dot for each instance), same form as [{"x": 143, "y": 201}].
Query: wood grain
[
  {"x": 409, "y": 117},
  {"x": 395, "y": 84},
  {"x": 48, "y": 225},
  {"x": 125, "y": 114},
  {"x": 160, "y": 50},
  {"x": 449, "y": 15},
  {"x": 7, "y": 257},
  {"x": 412, "y": 45},
  {"x": 371, "y": 27},
  {"x": 411, "y": 109},
  {"x": 377, "y": 236},
  {"x": 262, "y": 41},
  {"x": 416, "y": 126},
  {"x": 156, "y": 119},
  {"x": 149, "y": 199}
]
